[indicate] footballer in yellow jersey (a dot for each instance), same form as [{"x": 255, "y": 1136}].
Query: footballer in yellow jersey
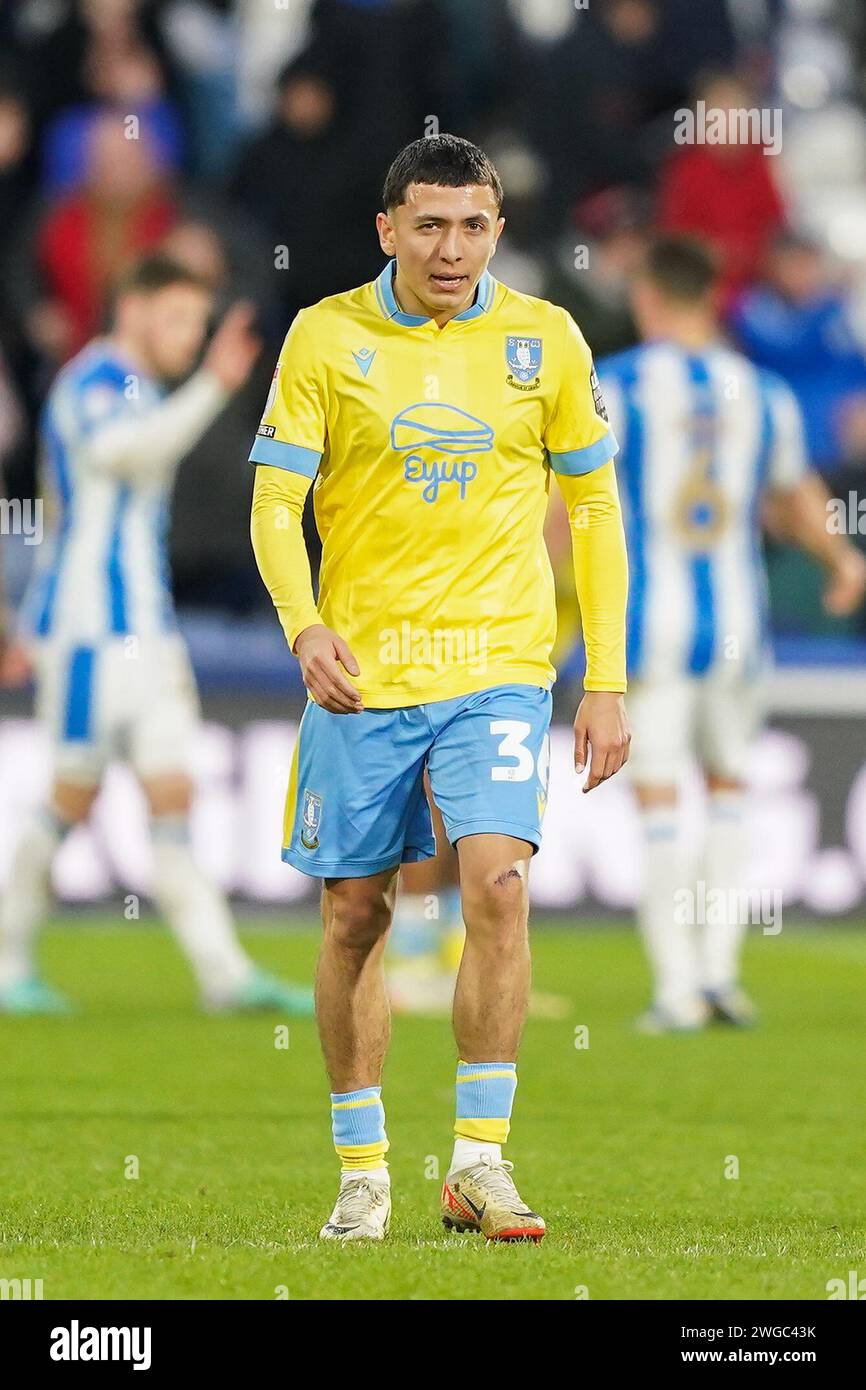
[
  {"x": 432, "y": 451},
  {"x": 428, "y": 411}
]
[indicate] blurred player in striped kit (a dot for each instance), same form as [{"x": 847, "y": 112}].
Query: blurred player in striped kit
[
  {"x": 113, "y": 676},
  {"x": 705, "y": 440}
]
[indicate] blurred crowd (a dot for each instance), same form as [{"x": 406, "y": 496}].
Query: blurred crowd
[{"x": 250, "y": 138}]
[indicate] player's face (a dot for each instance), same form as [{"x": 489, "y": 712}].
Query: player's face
[
  {"x": 443, "y": 239},
  {"x": 170, "y": 327}
]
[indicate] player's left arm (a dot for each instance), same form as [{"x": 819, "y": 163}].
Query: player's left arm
[
  {"x": 796, "y": 508},
  {"x": 581, "y": 447},
  {"x": 601, "y": 580}
]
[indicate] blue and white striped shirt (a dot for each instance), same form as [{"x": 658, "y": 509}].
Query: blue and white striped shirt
[
  {"x": 111, "y": 439},
  {"x": 701, "y": 435}
]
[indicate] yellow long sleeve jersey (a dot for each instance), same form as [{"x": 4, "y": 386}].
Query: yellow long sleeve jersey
[{"x": 431, "y": 451}]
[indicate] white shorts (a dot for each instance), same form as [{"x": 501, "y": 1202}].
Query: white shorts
[
  {"x": 123, "y": 697},
  {"x": 691, "y": 718}
]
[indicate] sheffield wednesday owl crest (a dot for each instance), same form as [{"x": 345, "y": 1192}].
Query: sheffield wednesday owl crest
[{"x": 523, "y": 357}]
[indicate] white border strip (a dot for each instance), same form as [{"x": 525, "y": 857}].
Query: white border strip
[{"x": 817, "y": 690}]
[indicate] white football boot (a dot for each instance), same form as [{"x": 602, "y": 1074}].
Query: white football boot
[{"x": 362, "y": 1210}]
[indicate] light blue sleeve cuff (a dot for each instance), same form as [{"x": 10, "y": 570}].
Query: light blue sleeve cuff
[
  {"x": 586, "y": 460},
  {"x": 293, "y": 457}
]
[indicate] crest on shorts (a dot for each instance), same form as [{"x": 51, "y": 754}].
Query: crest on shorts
[
  {"x": 523, "y": 356},
  {"x": 311, "y": 819}
]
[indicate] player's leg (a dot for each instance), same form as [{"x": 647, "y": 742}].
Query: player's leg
[
  {"x": 490, "y": 1006},
  {"x": 492, "y": 993},
  {"x": 661, "y": 719},
  {"x": 164, "y": 720},
  {"x": 198, "y": 913},
  {"x": 488, "y": 772},
  {"x": 355, "y": 811},
  {"x": 352, "y": 1009},
  {"x": 426, "y": 939},
  {"x": 27, "y": 898},
  {"x": 724, "y": 931},
  {"x": 354, "y": 1024},
  {"x": 71, "y": 706},
  {"x": 730, "y": 716}
]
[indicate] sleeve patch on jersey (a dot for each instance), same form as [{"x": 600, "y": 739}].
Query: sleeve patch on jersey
[
  {"x": 597, "y": 396},
  {"x": 272, "y": 393}
]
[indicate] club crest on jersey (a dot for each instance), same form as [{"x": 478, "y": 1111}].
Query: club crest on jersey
[
  {"x": 311, "y": 819},
  {"x": 523, "y": 357}
]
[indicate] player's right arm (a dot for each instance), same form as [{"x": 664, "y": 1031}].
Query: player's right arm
[
  {"x": 146, "y": 446},
  {"x": 287, "y": 450},
  {"x": 797, "y": 507}
]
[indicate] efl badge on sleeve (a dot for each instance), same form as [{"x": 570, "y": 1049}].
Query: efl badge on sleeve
[
  {"x": 597, "y": 397},
  {"x": 311, "y": 819},
  {"x": 523, "y": 356}
]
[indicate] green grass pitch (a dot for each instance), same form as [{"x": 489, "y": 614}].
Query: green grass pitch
[{"x": 622, "y": 1145}]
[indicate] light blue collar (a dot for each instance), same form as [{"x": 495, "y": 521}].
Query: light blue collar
[{"x": 384, "y": 287}]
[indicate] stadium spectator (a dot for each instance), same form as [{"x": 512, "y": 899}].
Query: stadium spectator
[
  {"x": 724, "y": 192},
  {"x": 594, "y": 99},
  {"x": 798, "y": 322},
  {"x": 308, "y": 180},
  {"x": 93, "y": 48},
  {"x": 19, "y": 396},
  {"x": 128, "y": 86},
  {"x": 16, "y": 163},
  {"x": 124, "y": 208}
]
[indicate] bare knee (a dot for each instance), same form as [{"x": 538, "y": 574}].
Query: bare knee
[
  {"x": 717, "y": 783},
  {"x": 168, "y": 794},
  {"x": 496, "y": 904},
  {"x": 73, "y": 800},
  {"x": 357, "y": 915}
]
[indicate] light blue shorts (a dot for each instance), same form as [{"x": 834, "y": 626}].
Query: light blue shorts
[{"x": 356, "y": 803}]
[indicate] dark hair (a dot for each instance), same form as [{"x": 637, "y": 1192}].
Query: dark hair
[
  {"x": 152, "y": 273},
  {"x": 448, "y": 160},
  {"x": 682, "y": 267}
]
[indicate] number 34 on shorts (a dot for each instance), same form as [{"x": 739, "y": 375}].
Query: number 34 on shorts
[{"x": 356, "y": 802}]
